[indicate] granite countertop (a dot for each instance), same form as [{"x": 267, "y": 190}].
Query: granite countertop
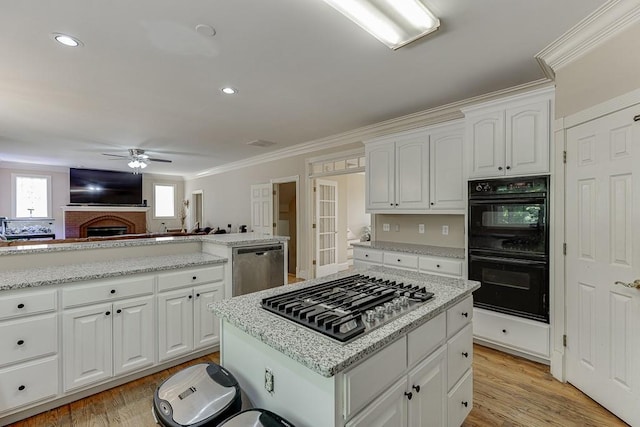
[
  {"x": 441, "y": 251},
  {"x": 34, "y": 277},
  {"x": 239, "y": 239},
  {"x": 232, "y": 239},
  {"x": 321, "y": 354}
]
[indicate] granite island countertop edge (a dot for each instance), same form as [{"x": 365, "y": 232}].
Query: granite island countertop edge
[
  {"x": 410, "y": 248},
  {"x": 323, "y": 355}
]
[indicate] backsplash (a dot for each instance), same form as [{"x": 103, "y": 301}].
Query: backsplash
[{"x": 408, "y": 229}]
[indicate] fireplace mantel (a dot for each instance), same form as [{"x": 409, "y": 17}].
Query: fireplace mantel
[{"x": 81, "y": 208}]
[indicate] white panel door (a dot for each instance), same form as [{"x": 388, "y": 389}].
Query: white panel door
[
  {"x": 527, "y": 139},
  {"x": 326, "y": 227},
  {"x": 262, "y": 209},
  {"x": 412, "y": 174},
  {"x": 133, "y": 335},
  {"x": 389, "y": 410},
  {"x": 87, "y": 345},
  {"x": 446, "y": 172},
  {"x": 380, "y": 188},
  {"x": 175, "y": 323},
  {"x": 428, "y": 386},
  {"x": 485, "y": 136},
  {"x": 206, "y": 326},
  {"x": 603, "y": 247}
]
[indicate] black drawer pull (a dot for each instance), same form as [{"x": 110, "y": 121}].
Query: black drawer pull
[
  {"x": 504, "y": 331},
  {"x": 107, "y": 313},
  {"x": 437, "y": 265},
  {"x": 391, "y": 204},
  {"x": 194, "y": 277},
  {"x": 416, "y": 388},
  {"x": 398, "y": 259},
  {"x": 118, "y": 311},
  {"x": 197, "y": 295},
  {"x": 113, "y": 291},
  {"x": 465, "y": 314},
  {"x": 499, "y": 168},
  {"x": 366, "y": 255},
  {"x": 190, "y": 296},
  {"x": 465, "y": 404},
  {"x": 408, "y": 394},
  {"x": 465, "y": 354},
  {"x": 21, "y": 305},
  {"x": 20, "y": 342},
  {"x": 21, "y": 388},
  {"x": 508, "y": 167}
]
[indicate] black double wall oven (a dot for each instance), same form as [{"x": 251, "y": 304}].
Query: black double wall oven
[{"x": 509, "y": 245}]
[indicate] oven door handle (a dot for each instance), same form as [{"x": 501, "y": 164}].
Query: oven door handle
[
  {"x": 507, "y": 260},
  {"x": 539, "y": 199}
]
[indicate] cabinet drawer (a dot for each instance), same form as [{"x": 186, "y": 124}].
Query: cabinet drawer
[
  {"x": 73, "y": 295},
  {"x": 190, "y": 277},
  {"x": 423, "y": 340},
  {"x": 460, "y": 400},
  {"x": 24, "y": 303},
  {"x": 367, "y": 255},
  {"x": 513, "y": 332},
  {"x": 28, "y": 338},
  {"x": 400, "y": 260},
  {"x": 459, "y": 355},
  {"x": 459, "y": 315},
  {"x": 363, "y": 382},
  {"x": 441, "y": 266},
  {"x": 28, "y": 382}
]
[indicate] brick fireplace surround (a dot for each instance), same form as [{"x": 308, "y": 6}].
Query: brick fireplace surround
[{"x": 78, "y": 219}]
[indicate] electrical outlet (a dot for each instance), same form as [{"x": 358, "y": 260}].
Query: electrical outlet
[
  {"x": 397, "y": 227},
  {"x": 268, "y": 380},
  {"x": 385, "y": 227},
  {"x": 421, "y": 228},
  {"x": 445, "y": 230}
]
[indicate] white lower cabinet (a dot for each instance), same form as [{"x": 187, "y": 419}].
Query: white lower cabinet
[
  {"x": 185, "y": 324},
  {"x": 428, "y": 388},
  {"x": 107, "y": 339},
  {"x": 389, "y": 410},
  {"x": 28, "y": 382},
  {"x": 460, "y": 400}
]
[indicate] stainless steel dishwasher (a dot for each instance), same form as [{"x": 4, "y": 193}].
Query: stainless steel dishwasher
[{"x": 257, "y": 267}]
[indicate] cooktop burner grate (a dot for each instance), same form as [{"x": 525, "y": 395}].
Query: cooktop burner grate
[{"x": 348, "y": 307}]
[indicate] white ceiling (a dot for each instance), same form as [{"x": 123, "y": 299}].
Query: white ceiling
[{"x": 145, "y": 78}]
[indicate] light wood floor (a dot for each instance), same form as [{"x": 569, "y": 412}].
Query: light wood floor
[{"x": 508, "y": 391}]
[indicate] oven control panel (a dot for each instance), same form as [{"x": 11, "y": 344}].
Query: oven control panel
[{"x": 509, "y": 186}]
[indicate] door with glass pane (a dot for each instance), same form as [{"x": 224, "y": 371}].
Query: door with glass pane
[{"x": 326, "y": 227}]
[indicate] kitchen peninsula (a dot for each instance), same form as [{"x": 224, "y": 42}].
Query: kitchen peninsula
[
  {"x": 78, "y": 318},
  {"x": 413, "y": 370}
]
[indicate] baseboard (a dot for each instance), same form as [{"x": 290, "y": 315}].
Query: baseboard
[{"x": 511, "y": 351}]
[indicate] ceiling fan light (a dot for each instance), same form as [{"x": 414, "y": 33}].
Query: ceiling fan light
[{"x": 143, "y": 165}]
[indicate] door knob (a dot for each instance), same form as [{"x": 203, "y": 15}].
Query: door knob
[{"x": 635, "y": 284}]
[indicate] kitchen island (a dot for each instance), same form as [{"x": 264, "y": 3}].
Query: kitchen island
[{"x": 413, "y": 371}]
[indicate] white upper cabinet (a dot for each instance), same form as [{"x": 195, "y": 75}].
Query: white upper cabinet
[
  {"x": 416, "y": 171},
  {"x": 509, "y": 137}
]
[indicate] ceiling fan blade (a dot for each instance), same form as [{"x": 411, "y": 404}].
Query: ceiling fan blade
[
  {"x": 115, "y": 155},
  {"x": 160, "y": 160}
]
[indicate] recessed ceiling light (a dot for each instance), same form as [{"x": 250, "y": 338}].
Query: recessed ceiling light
[
  {"x": 205, "y": 30},
  {"x": 229, "y": 90},
  {"x": 67, "y": 40}
]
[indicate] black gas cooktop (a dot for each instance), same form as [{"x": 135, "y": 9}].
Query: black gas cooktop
[{"x": 346, "y": 308}]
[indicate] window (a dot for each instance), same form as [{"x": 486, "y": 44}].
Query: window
[
  {"x": 164, "y": 203},
  {"x": 32, "y": 196}
]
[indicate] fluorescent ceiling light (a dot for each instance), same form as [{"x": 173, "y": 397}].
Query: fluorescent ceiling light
[{"x": 393, "y": 22}]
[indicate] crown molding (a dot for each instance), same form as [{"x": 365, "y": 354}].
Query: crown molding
[
  {"x": 604, "y": 23},
  {"x": 433, "y": 116}
]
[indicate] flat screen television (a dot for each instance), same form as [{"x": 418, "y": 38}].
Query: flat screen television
[{"x": 102, "y": 187}]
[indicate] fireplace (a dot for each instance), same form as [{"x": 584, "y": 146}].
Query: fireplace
[{"x": 88, "y": 221}]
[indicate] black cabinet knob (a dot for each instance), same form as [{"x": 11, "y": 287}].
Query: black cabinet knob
[
  {"x": 20, "y": 342},
  {"x": 197, "y": 295},
  {"x": 118, "y": 311},
  {"x": 398, "y": 259},
  {"x": 504, "y": 331},
  {"x": 391, "y": 204},
  {"x": 194, "y": 277},
  {"x": 465, "y": 404},
  {"x": 437, "y": 265},
  {"x": 499, "y": 168},
  {"x": 432, "y": 203},
  {"x": 396, "y": 204},
  {"x": 190, "y": 296},
  {"x": 21, "y": 388},
  {"x": 20, "y": 305},
  {"x": 508, "y": 167},
  {"x": 113, "y": 291},
  {"x": 366, "y": 255},
  {"x": 465, "y": 354},
  {"x": 416, "y": 388},
  {"x": 408, "y": 394},
  {"x": 107, "y": 313},
  {"x": 465, "y": 314}
]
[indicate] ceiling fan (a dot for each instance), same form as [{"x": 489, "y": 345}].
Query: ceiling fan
[{"x": 137, "y": 159}]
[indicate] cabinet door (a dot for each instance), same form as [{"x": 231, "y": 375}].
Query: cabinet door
[
  {"x": 133, "y": 335},
  {"x": 87, "y": 343},
  {"x": 486, "y": 141},
  {"x": 175, "y": 323},
  {"x": 380, "y": 191},
  {"x": 389, "y": 410},
  {"x": 527, "y": 147},
  {"x": 428, "y": 385},
  {"x": 446, "y": 174},
  {"x": 206, "y": 326},
  {"x": 412, "y": 174}
]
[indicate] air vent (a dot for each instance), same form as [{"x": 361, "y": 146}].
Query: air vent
[{"x": 261, "y": 143}]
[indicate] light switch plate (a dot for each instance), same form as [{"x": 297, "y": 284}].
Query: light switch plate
[
  {"x": 421, "y": 228},
  {"x": 445, "y": 230}
]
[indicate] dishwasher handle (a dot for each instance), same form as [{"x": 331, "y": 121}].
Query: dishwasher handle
[{"x": 258, "y": 250}]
